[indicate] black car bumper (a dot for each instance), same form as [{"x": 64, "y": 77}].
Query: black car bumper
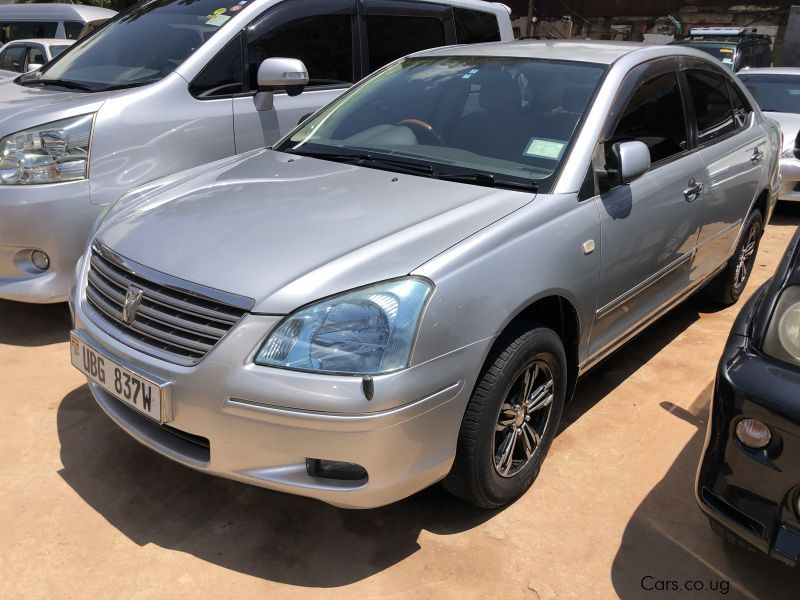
[{"x": 754, "y": 493}]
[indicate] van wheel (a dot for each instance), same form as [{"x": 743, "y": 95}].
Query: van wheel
[
  {"x": 728, "y": 286},
  {"x": 510, "y": 421}
]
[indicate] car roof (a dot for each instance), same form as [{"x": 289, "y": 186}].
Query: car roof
[
  {"x": 589, "y": 51},
  {"x": 47, "y": 41},
  {"x": 79, "y": 12},
  {"x": 770, "y": 71}
]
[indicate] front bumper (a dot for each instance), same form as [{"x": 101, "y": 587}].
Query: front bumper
[
  {"x": 258, "y": 425},
  {"x": 790, "y": 174},
  {"x": 754, "y": 493},
  {"x": 54, "y": 218}
]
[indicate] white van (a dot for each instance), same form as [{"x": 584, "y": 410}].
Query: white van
[
  {"x": 168, "y": 85},
  {"x": 63, "y": 21}
]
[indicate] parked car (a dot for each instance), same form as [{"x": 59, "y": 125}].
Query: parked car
[
  {"x": 777, "y": 91},
  {"x": 170, "y": 85},
  {"x": 748, "y": 484},
  {"x": 62, "y": 21},
  {"x": 736, "y": 47},
  {"x": 22, "y": 56},
  {"x": 407, "y": 287}
]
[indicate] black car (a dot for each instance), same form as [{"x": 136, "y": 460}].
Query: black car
[
  {"x": 736, "y": 47},
  {"x": 748, "y": 483}
]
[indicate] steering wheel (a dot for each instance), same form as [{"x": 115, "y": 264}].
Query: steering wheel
[{"x": 429, "y": 133}]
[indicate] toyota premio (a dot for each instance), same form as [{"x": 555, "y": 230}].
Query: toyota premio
[{"x": 406, "y": 288}]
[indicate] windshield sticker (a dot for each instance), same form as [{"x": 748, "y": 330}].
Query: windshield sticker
[
  {"x": 219, "y": 11},
  {"x": 540, "y": 148},
  {"x": 727, "y": 61},
  {"x": 726, "y": 50},
  {"x": 469, "y": 74},
  {"x": 794, "y": 92},
  {"x": 218, "y": 20},
  {"x": 235, "y": 8}
]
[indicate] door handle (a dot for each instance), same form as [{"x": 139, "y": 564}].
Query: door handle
[
  {"x": 693, "y": 191},
  {"x": 756, "y": 157}
]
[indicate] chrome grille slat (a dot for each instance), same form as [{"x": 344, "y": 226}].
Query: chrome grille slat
[{"x": 181, "y": 324}]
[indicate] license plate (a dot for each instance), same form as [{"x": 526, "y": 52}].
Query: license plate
[{"x": 132, "y": 388}]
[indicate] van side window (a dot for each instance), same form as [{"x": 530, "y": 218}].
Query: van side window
[
  {"x": 323, "y": 42},
  {"x": 712, "y": 105},
  {"x": 72, "y": 29},
  {"x": 223, "y": 75},
  {"x": 17, "y": 30},
  {"x": 654, "y": 116},
  {"x": 475, "y": 27},
  {"x": 391, "y": 37}
]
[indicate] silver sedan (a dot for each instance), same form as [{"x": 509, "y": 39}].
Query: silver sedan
[{"x": 407, "y": 288}]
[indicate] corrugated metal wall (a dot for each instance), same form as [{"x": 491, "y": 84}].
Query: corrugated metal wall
[{"x": 619, "y": 8}]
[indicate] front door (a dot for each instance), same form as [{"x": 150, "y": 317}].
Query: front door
[
  {"x": 649, "y": 227},
  {"x": 321, "y": 33}
]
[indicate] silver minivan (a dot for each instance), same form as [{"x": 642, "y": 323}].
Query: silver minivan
[
  {"x": 408, "y": 286},
  {"x": 169, "y": 85}
]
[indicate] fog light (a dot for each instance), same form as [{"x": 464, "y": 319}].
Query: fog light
[
  {"x": 40, "y": 260},
  {"x": 333, "y": 469},
  {"x": 752, "y": 433}
]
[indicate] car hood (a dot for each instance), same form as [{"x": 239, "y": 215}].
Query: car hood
[
  {"x": 22, "y": 107},
  {"x": 287, "y": 230},
  {"x": 789, "y": 124}
]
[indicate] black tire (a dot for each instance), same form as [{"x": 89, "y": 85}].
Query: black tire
[
  {"x": 537, "y": 354},
  {"x": 727, "y": 287},
  {"x": 730, "y": 537}
]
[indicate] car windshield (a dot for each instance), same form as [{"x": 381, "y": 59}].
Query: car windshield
[
  {"x": 142, "y": 45},
  {"x": 505, "y": 122},
  {"x": 56, "y": 50},
  {"x": 775, "y": 93},
  {"x": 723, "y": 52}
]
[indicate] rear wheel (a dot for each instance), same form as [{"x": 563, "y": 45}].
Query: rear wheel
[
  {"x": 730, "y": 283},
  {"x": 510, "y": 421}
]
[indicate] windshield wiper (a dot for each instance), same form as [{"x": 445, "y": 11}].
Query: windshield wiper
[
  {"x": 363, "y": 159},
  {"x": 73, "y": 85},
  {"x": 124, "y": 86},
  {"x": 489, "y": 180}
]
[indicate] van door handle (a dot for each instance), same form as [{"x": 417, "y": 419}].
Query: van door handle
[
  {"x": 756, "y": 157},
  {"x": 693, "y": 191}
]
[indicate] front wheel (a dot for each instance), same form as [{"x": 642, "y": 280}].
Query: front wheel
[
  {"x": 729, "y": 284},
  {"x": 510, "y": 421}
]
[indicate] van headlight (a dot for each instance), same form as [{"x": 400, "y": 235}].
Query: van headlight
[
  {"x": 51, "y": 153},
  {"x": 369, "y": 331},
  {"x": 782, "y": 340}
]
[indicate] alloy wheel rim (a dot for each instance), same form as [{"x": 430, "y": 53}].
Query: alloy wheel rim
[
  {"x": 523, "y": 418},
  {"x": 746, "y": 257}
]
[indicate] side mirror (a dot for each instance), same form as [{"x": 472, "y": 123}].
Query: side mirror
[
  {"x": 34, "y": 67},
  {"x": 633, "y": 160},
  {"x": 279, "y": 73}
]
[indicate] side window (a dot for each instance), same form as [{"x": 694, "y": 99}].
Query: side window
[
  {"x": 654, "y": 115},
  {"x": 323, "y": 42},
  {"x": 391, "y": 37},
  {"x": 712, "y": 105},
  {"x": 13, "y": 58},
  {"x": 741, "y": 108},
  {"x": 72, "y": 29},
  {"x": 17, "y": 30},
  {"x": 223, "y": 75},
  {"x": 750, "y": 57},
  {"x": 475, "y": 27},
  {"x": 766, "y": 55},
  {"x": 36, "y": 56}
]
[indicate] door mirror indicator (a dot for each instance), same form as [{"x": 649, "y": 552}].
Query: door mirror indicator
[{"x": 278, "y": 74}]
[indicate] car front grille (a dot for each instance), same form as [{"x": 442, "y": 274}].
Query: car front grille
[{"x": 174, "y": 320}]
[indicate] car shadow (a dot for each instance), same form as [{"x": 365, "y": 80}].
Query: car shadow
[
  {"x": 668, "y": 538},
  {"x": 33, "y": 324},
  {"x": 270, "y": 535}
]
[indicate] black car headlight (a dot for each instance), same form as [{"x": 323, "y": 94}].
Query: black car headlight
[{"x": 782, "y": 340}]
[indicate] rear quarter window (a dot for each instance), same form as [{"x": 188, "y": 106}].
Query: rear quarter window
[{"x": 475, "y": 27}]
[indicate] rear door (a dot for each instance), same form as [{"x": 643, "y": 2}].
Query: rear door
[
  {"x": 648, "y": 227},
  {"x": 393, "y": 28},
  {"x": 321, "y": 33},
  {"x": 731, "y": 145}
]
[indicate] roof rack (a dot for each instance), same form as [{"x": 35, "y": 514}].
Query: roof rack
[{"x": 725, "y": 32}]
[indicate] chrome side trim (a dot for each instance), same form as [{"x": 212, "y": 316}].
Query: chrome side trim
[
  {"x": 176, "y": 283},
  {"x": 639, "y": 288}
]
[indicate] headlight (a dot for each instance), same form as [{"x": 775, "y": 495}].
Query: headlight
[
  {"x": 365, "y": 332},
  {"x": 782, "y": 340},
  {"x": 50, "y": 153}
]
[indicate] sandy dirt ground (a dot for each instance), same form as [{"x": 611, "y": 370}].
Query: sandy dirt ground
[{"x": 86, "y": 512}]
